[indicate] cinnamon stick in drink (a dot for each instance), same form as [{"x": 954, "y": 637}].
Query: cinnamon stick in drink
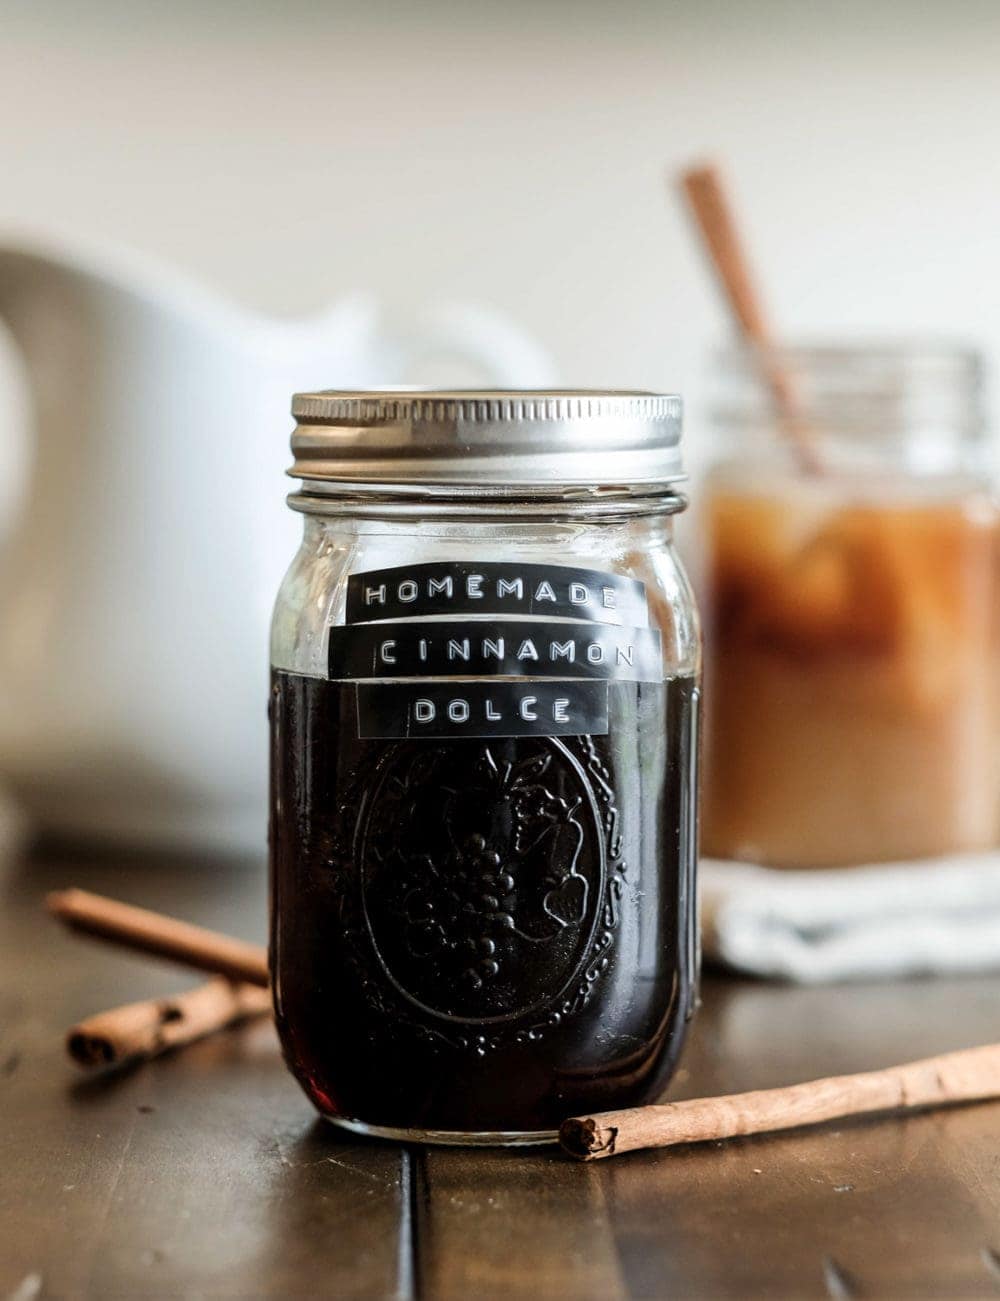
[
  {"x": 715, "y": 218},
  {"x": 142, "y": 1030},
  {"x": 972, "y": 1075},
  {"x": 166, "y": 937}
]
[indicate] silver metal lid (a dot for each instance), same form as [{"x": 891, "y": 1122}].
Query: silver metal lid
[{"x": 472, "y": 439}]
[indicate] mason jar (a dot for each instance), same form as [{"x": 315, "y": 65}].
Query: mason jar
[
  {"x": 850, "y": 597},
  {"x": 484, "y": 715}
]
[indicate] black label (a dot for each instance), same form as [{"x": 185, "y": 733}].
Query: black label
[
  {"x": 458, "y": 587},
  {"x": 437, "y": 709},
  {"x": 487, "y": 648}
]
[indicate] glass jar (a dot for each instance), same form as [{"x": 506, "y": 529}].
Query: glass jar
[
  {"x": 484, "y": 712},
  {"x": 850, "y": 610}
]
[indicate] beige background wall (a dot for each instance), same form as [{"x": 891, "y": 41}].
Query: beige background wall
[{"x": 516, "y": 152}]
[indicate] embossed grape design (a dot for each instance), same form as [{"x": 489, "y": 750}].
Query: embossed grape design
[
  {"x": 465, "y": 908},
  {"x": 482, "y": 874}
]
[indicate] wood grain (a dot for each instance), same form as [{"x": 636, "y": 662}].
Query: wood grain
[
  {"x": 206, "y": 1173},
  {"x": 502, "y": 1223}
]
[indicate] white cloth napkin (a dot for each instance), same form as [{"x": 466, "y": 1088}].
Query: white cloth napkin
[{"x": 881, "y": 921}]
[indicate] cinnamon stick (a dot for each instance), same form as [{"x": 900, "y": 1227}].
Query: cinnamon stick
[
  {"x": 972, "y": 1075},
  {"x": 166, "y": 937},
  {"x": 714, "y": 214},
  {"x": 142, "y": 1030},
  {"x": 716, "y": 220}
]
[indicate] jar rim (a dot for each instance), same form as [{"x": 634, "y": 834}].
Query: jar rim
[
  {"x": 914, "y": 351},
  {"x": 914, "y": 402},
  {"x": 410, "y": 502}
]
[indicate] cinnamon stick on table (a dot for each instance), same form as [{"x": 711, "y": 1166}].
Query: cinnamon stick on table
[
  {"x": 972, "y": 1075},
  {"x": 166, "y": 937},
  {"x": 146, "y": 1029}
]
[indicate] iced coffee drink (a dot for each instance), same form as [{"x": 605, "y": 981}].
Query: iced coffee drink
[{"x": 851, "y": 669}]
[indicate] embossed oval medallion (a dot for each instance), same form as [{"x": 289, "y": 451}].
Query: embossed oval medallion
[{"x": 482, "y": 873}]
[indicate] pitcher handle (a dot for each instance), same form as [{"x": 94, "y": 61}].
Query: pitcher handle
[
  {"x": 16, "y": 442},
  {"x": 496, "y": 348}
]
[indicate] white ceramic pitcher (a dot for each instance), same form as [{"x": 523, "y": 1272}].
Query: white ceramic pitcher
[{"x": 139, "y": 560}]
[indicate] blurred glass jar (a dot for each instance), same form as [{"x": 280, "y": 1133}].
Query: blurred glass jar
[{"x": 851, "y": 609}]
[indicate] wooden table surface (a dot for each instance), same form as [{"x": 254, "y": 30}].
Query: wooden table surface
[{"x": 206, "y": 1174}]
